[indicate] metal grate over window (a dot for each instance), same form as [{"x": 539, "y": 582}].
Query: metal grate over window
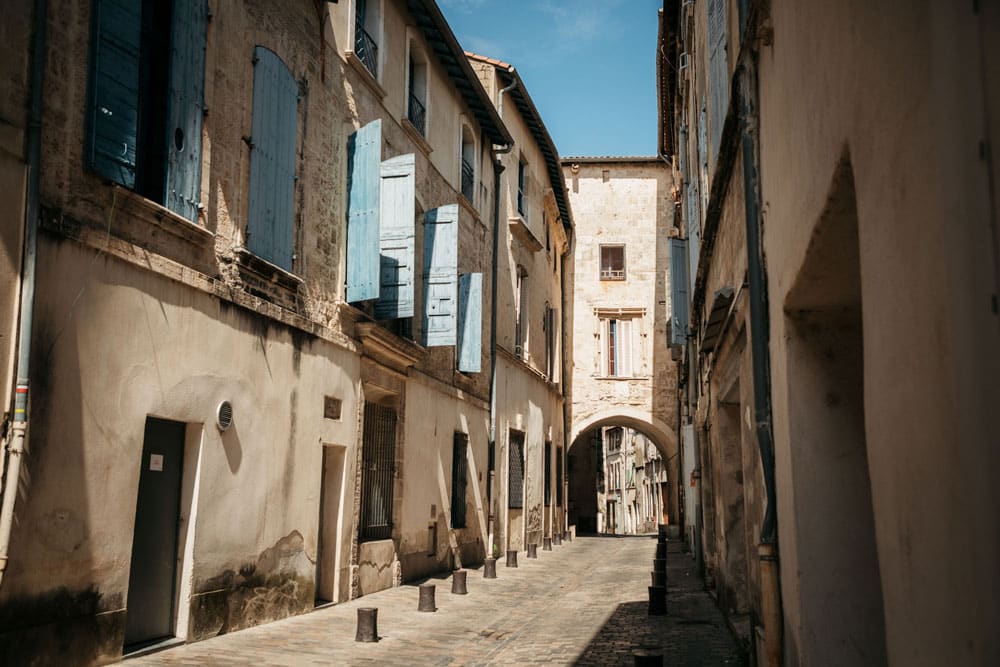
[
  {"x": 459, "y": 479},
  {"x": 378, "y": 460},
  {"x": 515, "y": 470},
  {"x": 548, "y": 474}
]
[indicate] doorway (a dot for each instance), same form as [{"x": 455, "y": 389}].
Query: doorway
[
  {"x": 330, "y": 501},
  {"x": 150, "y": 614}
]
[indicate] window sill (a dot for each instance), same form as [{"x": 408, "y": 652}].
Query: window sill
[
  {"x": 519, "y": 229},
  {"x": 137, "y": 207},
  {"x": 366, "y": 76},
  {"x": 268, "y": 280},
  {"x": 417, "y": 138}
]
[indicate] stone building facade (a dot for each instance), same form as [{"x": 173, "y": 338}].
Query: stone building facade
[
  {"x": 623, "y": 372},
  {"x": 839, "y": 332},
  {"x": 263, "y": 292}
]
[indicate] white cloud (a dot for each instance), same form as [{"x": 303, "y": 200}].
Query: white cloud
[{"x": 463, "y": 5}]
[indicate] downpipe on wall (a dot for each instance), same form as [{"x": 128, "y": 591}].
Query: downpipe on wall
[{"x": 19, "y": 427}]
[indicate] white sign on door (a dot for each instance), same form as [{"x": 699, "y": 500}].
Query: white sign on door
[{"x": 156, "y": 462}]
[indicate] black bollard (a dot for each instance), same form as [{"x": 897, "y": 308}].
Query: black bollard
[
  {"x": 532, "y": 551},
  {"x": 657, "y": 600},
  {"x": 661, "y": 550},
  {"x": 512, "y": 558},
  {"x": 458, "y": 582},
  {"x": 659, "y": 578},
  {"x": 660, "y": 565},
  {"x": 490, "y": 568},
  {"x": 661, "y": 530},
  {"x": 647, "y": 657},
  {"x": 546, "y": 544},
  {"x": 367, "y": 625},
  {"x": 426, "y": 598},
  {"x": 557, "y": 540},
  {"x": 568, "y": 536}
]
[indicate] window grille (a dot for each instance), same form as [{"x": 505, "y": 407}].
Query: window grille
[
  {"x": 515, "y": 470},
  {"x": 378, "y": 461},
  {"x": 559, "y": 476},
  {"x": 548, "y": 474},
  {"x": 459, "y": 479}
]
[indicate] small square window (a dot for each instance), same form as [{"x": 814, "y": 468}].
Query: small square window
[{"x": 612, "y": 262}]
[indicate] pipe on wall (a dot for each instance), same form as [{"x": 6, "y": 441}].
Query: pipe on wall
[{"x": 33, "y": 144}]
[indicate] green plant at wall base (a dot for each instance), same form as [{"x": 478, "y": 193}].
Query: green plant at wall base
[{"x": 496, "y": 551}]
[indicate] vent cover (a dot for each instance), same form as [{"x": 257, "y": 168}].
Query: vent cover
[{"x": 224, "y": 415}]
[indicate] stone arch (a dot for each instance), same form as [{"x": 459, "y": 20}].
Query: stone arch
[{"x": 657, "y": 430}]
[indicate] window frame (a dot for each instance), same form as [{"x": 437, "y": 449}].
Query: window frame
[{"x": 610, "y": 274}]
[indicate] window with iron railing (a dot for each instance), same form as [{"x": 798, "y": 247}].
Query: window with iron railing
[
  {"x": 612, "y": 262},
  {"x": 468, "y": 179},
  {"x": 365, "y": 47},
  {"x": 416, "y": 113},
  {"x": 521, "y": 192}
]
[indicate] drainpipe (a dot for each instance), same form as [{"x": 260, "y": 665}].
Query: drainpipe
[
  {"x": 570, "y": 241},
  {"x": 15, "y": 451},
  {"x": 767, "y": 550}
]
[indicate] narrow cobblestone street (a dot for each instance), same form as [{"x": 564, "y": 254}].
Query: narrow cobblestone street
[{"x": 583, "y": 603}]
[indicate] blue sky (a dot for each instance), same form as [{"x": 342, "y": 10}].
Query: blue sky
[{"x": 589, "y": 65}]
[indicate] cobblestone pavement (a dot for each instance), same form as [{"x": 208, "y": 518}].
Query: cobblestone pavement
[{"x": 582, "y": 603}]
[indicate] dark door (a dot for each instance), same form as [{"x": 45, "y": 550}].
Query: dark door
[{"x": 150, "y": 612}]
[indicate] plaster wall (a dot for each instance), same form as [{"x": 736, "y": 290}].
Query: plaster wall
[{"x": 909, "y": 113}]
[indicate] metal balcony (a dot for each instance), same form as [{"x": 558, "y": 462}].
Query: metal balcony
[
  {"x": 468, "y": 179},
  {"x": 416, "y": 113},
  {"x": 366, "y": 49}
]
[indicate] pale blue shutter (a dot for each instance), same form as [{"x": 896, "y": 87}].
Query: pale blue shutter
[
  {"x": 272, "y": 160},
  {"x": 693, "y": 211},
  {"x": 113, "y": 114},
  {"x": 678, "y": 291},
  {"x": 186, "y": 107},
  {"x": 470, "y": 322},
  {"x": 718, "y": 72},
  {"x": 440, "y": 275},
  {"x": 364, "y": 153},
  {"x": 397, "y": 212}
]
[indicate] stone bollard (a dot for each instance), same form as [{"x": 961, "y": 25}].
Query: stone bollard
[
  {"x": 659, "y": 578},
  {"x": 568, "y": 536},
  {"x": 512, "y": 558},
  {"x": 660, "y": 565},
  {"x": 661, "y": 550},
  {"x": 647, "y": 657},
  {"x": 490, "y": 568},
  {"x": 546, "y": 544},
  {"x": 557, "y": 540},
  {"x": 657, "y": 600},
  {"x": 532, "y": 551},
  {"x": 367, "y": 625},
  {"x": 426, "y": 598},
  {"x": 661, "y": 530},
  {"x": 458, "y": 578}
]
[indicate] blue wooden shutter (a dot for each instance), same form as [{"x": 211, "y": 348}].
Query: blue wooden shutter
[
  {"x": 397, "y": 210},
  {"x": 364, "y": 152},
  {"x": 185, "y": 107},
  {"x": 113, "y": 115},
  {"x": 718, "y": 72},
  {"x": 440, "y": 275},
  {"x": 270, "y": 227},
  {"x": 678, "y": 291},
  {"x": 470, "y": 322},
  {"x": 693, "y": 211}
]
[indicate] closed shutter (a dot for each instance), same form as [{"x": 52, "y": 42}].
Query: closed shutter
[
  {"x": 186, "y": 107},
  {"x": 470, "y": 322},
  {"x": 440, "y": 276},
  {"x": 270, "y": 227},
  {"x": 364, "y": 153},
  {"x": 396, "y": 233},
  {"x": 678, "y": 291},
  {"x": 718, "y": 72},
  {"x": 693, "y": 218},
  {"x": 459, "y": 479},
  {"x": 114, "y": 90}
]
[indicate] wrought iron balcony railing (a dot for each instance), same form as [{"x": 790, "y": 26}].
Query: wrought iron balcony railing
[
  {"x": 468, "y": 179},
  {"x": 366, "y": 49},
  {"x": 417, "y": 114}
]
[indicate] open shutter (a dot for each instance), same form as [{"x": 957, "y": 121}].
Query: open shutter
[
  {"x": 678, "y": 291},
  {"x": 396, "y": 233},
  {"x": 364, "y": 151},
  {"x": 114, "y": 90},
  {"x": 440, "y": 275},
  {"x": 625, "y": 348},
  {"x": 470, "y": 322},
  {"x": 185, "y": 107},
  {"x": 718, "y": 71},
  {"x": 270, "y": 227}
]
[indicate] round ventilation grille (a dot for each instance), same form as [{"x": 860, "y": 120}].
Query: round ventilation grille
[{"x": 224, "y": 415}]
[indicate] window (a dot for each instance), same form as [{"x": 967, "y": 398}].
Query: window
[
  {"x": 522, "y": 191},
  {"x": 617, "y": 348},
  {"x": 548, "y": 473},
  {"x": 612, "y": 262},
  {"x": 416, "y": 106},
  {"x": 145, "y": 99},
  {"x": 520, "y": 314},
  {"x": 459, "y": 479},
  {"x": 378, "y": 459},
  {"x": 366, "y": 26},
  {"x": 559, "y": 476},
  {"x": 270, "y": 222},
  {"x": 550, "y": 325},
  {"x": 614, "y": 436},
  {"x": 515, "y": 470},
  {"x": 618, "y": 334},
  {"x": 468, "y": 161}
]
